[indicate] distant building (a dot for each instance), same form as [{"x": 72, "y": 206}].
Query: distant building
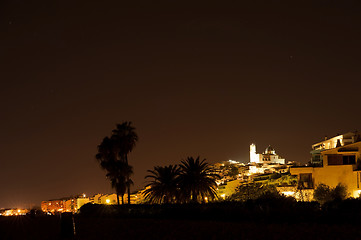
[
  {"x": 73, "y": 204},
  {"x": 112, "y": 198},
  {"x": 53, "y": 206},
  {"x": 268, "y": 156},
  {"x": 13, "y": 212},
  {"x": 70, "y": 204},
  {"x": 335, "y": 160},
  {"x": 330, "y": 143},
  {"x": 266, "y": 162}
]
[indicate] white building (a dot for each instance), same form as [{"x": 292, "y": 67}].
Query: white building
[
  {"x": 331, "y": 143},
  {"x": 268, "y": 156}
]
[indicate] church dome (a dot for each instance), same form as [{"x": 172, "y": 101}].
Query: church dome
[{"x": 270, "y": 150}]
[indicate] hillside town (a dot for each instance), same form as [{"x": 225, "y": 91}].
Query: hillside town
[
  {"x": 232, "y": 174},
  {"x": 333, "y": 161}
]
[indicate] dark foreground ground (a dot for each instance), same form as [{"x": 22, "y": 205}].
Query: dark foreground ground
[{"x": 88, "y": 228}]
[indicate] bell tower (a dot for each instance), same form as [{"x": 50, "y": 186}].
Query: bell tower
[{"x": 253, "y": 156}]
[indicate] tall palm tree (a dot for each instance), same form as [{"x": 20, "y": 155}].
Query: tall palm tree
[
  {"x": 118, "y": 177},
  {"x": 196, "y": 180},
  {"x": 107, "y": 158},
  {"x": 125, "y": 138},
  {"x": 113, "y": 157},
  {"x": 163, "y": 186},
  {"x": 106, "y": 155}
]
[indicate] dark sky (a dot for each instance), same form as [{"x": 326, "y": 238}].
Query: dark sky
[{"x": 195, "y": 79}]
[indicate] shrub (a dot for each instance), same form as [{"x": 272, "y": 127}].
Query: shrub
[
  {"x": 324, "y": 193},
  {"x": 253, "y": 191}
]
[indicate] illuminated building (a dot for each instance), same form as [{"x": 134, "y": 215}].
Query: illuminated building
[
  {"x": 330, "y": 143},
  {"x": 112, "y": 199},
  {"x": 266, "y": 162},
  {"x": 71, "y": 204},
  {"x": 268, "y": 156},
  {"x": 13, "y": 212},
  {"x": 53, "y": 206},
  {"x": 335, "y": 160},
  {"x": 80, "y": 201}
]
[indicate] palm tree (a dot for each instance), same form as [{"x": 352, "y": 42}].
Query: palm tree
[
  {"x": 118, "y": 177},
  {"x": 196, "y": 180},
  {"x": 125, "y": 138},
  {"x": 107, "y": 158},
  {"x": 163, "y": 186},
  {"x": 106, "y": 155},
  {"x": 113, "y": 157}
]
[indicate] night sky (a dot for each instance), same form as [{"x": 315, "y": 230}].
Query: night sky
[{"x": 195, "y": 79}]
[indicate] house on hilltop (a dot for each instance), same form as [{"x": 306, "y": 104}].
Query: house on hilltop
[{"x": 335, "y": 160}]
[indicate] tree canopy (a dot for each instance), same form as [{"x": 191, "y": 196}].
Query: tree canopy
[
  {"x": 191, "y": 181},
  {"x": 253, "y": 191},
  {"x": 197, "y": 180},
  {"x": 163, "y": 185},
  {"x": 324, "y": 193},
  {"x": 113, "y": 157}
]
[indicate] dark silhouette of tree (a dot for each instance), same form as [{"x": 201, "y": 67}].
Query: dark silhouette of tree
[
  {"x": 125, "y": 138},
  {"x": 339, "y": 192},
  {"x": 117, "y": 176},
  {"x": 196, "y": 180},
  {"x": 163, "y": 184},
  {"x": 107, "y": 157},
  {"x": 253, "y": 191},
  {"x": 106, "y": 153},
  {"x": 113, "y": 157},
  {"x": 324, "y": 193}
]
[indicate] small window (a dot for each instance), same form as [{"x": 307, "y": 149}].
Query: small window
[
  {"x": 316, "y": 158},
  {"x": 305, "y": 180},
  {"x": 348, "y": 159},
  {"x": 334, "y": 159}
]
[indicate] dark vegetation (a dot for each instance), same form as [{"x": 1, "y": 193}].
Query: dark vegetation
[
  {"x": 324, "y": 194},
  {"x": 111, "y": 228},
  {"x": 277, "y": 179},
  {"x": 262, "y": 210},
  {"x": 113, "y": 158},
  {"x": 263, "y": 218},
  {"x": 254, "y": 190},
  {"x": 191, "y": 181},
  {"x": 30, "y": 228}
]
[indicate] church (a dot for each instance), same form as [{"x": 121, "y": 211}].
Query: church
[{"x": 268, "y": 156}]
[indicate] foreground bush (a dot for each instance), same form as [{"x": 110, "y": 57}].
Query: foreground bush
[
  {"x": 324, "y": 193},
  {"x": 252, "y": 191},
  {"x": 262, "y": 209}
]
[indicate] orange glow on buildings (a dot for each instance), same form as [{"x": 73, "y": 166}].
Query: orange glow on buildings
[{"x": 13, "y": 212}]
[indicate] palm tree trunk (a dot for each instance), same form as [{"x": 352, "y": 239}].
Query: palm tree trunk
[
  {"x": 129, "y": 194},
  {"x": 118, "y": 198},
  {"x": 194, "y": 197},
  {"x": 126, "y": 161},
  {"x": 122, "y": 199}
]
